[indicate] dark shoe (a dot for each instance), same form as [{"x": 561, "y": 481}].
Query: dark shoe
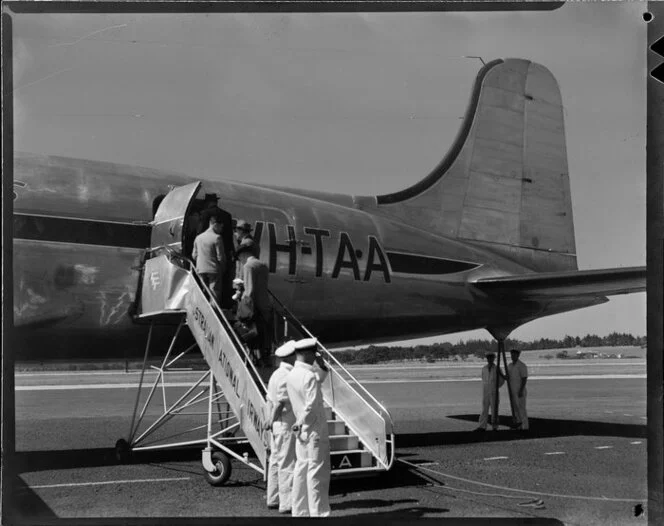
[
  {"x": 284, "y": 511},
  {"x": 273, "y": 506}
]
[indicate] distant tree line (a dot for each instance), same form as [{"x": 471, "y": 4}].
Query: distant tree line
[{"x": 465, "y": 349}]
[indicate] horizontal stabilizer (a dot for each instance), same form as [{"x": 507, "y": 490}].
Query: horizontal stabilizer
[{"x": 603, "y": 282}]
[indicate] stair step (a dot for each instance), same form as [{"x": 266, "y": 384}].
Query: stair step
[
  {"x": 351, "y": 459},
  {"x": 329, "y": 413},
  {"x": 344, "y": 442},
  {"x": 336, "y": 427}
]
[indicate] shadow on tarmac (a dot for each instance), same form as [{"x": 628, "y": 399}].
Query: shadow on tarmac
[
  {"x": 406, "y": 515},
  {"x": 399, "y": 476},
  {"x": 401, "y": 516},
  {"x": 369, "y": 504},
  {"x": 26, "y": 505},
  {"x": 539, "y": 428},
  {"x": 27, "y": 461}
]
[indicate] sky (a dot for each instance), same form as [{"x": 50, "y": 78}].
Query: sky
[{"x": 361, "y": 104}]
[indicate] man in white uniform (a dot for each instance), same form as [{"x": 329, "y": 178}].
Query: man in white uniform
[
  {"x": 282, "y": 443},
  {"x": 311, "y": 478},
  {"x": 518, "y": 376},
  {"x": 490, "y": 397}
]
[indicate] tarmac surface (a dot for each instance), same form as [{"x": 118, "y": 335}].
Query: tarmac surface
[{"x": 583, "y": 462}]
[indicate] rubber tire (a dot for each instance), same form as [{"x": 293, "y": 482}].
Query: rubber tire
[
  {"x": 223, "y": 472},
  {"x": 122, "y": 451}
]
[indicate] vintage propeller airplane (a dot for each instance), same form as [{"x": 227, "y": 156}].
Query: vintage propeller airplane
[{"x": 486, "y": 240}]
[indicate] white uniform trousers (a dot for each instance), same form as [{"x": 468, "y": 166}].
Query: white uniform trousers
[
  {"x": 520, "y": 412},
  {"x": 311, "y": 479},
  {"x": 488, "y": 397},
  {"x": 281, "y": 466}
]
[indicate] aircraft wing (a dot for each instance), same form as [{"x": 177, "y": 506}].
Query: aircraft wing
[{"x": 603, "y": 282}]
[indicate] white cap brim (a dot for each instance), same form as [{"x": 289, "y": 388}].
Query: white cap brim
[
  {"x": 306, "y": 344},
  {"x": 286, "y": 349}
]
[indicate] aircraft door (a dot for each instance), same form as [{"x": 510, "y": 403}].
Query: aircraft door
[{"x": 168, "y": 222}]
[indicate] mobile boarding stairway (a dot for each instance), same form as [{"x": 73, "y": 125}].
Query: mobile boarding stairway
[{"x": 224, "y": 408}]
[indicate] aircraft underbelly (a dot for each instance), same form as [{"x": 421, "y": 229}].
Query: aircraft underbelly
[{"x": 345, "y": 299}]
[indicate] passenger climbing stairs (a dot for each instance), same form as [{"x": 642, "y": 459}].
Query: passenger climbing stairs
[{"x": 231, "y": 386}]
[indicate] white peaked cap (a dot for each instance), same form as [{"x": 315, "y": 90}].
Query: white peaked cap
[
  {"x": 286, "y": 349},
  {"x": 306, "y": 344},
  {"x": 238, "y": 281}
]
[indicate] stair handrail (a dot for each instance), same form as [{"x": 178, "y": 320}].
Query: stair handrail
[
  {"x": 383, "y": 412},
  {"x": 239, "y": 346}
]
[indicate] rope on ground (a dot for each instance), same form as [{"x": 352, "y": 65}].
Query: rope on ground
[
  {"x": 527, "y": 503},
  {"x": 529, "y": 492}
]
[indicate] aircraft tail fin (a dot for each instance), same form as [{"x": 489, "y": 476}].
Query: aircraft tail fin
[{"x": 504, "y": 184}]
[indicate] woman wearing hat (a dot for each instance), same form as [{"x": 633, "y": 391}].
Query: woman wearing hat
[{"x": 246, "y": 246}]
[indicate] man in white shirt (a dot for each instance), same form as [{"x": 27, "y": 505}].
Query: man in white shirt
[
  {"x": 282, "y": 443},
  {"x": 517, "y": 373},
  {"x": 210, "y": 256},
  {"x": 490, "y": 399},
  {"x": 311, "y": 478}
]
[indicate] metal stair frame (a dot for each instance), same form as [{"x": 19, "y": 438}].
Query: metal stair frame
[
  {"x": 339, "y": 384},
  {"x": 178, "y": 407},
  {"x": 242, "y": 360},
  {"x": 384, "y": 451}
]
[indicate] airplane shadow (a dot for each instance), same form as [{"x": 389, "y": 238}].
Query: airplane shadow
[
  {"x": 30, "y": 461},
  {"x": 368, "y": 504},
  {"x": 404, "y": 517},
  {"x": 539, "y": 428},
  {"x": 400, "y": 476},
  {"x": 25, "y": 505},
  {"x": 400, "y": 516}
]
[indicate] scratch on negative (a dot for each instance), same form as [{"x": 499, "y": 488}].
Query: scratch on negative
[
  {"x": 87, "y": 36},
  {"x": 43, "y": 78}
]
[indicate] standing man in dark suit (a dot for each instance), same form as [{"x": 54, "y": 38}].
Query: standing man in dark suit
[{"x": 256, "y": 275}]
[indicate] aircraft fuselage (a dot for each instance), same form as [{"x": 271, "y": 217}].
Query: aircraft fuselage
[{"x": 80, "y": 231}]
